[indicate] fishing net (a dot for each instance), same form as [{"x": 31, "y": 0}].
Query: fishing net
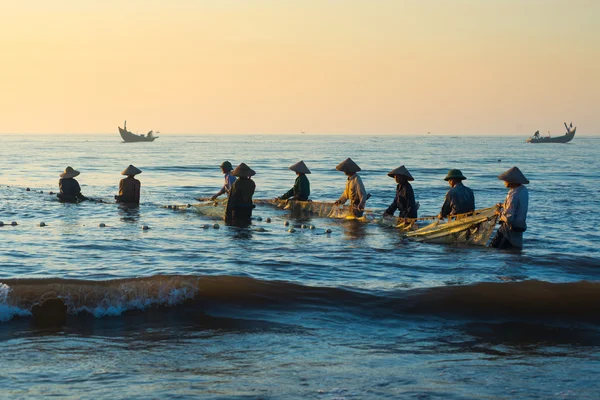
[
  {"x": 474, "y": 228},
  {"x": 211, "y": 209},
  {"x": 320, "y": 209},
  {"x": 471, "y": 228}
]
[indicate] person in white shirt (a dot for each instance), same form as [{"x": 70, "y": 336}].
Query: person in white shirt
[
  {"x": 355, "y": 189},
  {"x": 226, "y": 168},
  {"x": 514, "y": 211}
]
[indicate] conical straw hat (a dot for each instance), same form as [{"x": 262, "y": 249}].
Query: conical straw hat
[
  {"x": 131, "y": 170},
  {"x": 401, "y": 170},
  {"x": 69, "y": 173},
  {"x": 513, "y": 175},
  {"x": 348, "y": 166},
  {"x": 300, "y": 167},
  {"x": 243, "y": 170}
]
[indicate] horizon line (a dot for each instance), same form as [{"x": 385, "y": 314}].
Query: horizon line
[{"x": 300, "y": 134}]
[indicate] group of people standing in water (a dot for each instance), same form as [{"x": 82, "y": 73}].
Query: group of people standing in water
[
  {"x": 129, "y": 188},
  {"x": 239, "y": 187}
]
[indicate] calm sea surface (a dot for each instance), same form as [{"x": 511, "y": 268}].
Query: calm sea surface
[{"x": 183, "y": 311}]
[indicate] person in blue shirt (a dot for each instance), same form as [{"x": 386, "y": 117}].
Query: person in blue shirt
[
  {"x": 226, "y": 168},
  {"x": 514, "y": 211},
  {"x": 460, "y": 199}
]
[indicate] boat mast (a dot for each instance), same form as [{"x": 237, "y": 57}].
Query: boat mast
[{"x": 125, "y": 125}]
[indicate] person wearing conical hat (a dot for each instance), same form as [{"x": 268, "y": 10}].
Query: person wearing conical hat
[
  {"x": 460, "y": 199},
  {"x": 514, "y": 211},
  {"x": 129, "y": 188},
  {"x": 226, "y": 168},
  {"x": 301, "y": 189},
  {"x": 70, "y": 191},
  {"x": 239, "y": 206},
  {"x": 404, "y": 201},
  {"x": 355, "y": 189}
]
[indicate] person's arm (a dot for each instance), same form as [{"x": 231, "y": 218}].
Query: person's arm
[
  {"x": 362, "y": 194},
  {"x": 226, "y": 187},
  {"x": 288, "y": 194},
  {"x": 121, "y": 185},
  {"x": 446, "y": 207},
  {"x": 220, "y": 192},
  {"x": 78, "y": 191},
  {"x": 344, "y": 197},
  {"x": 138, "y": 186},
  {"x": 510, "y": 209},
  {"x": 393, "y": 207}
]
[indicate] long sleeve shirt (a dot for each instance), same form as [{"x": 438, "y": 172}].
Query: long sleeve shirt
[
  {"x": 459, "y": 200},
  {"x": 129, "y": 190},
  {"x": 300, "y": 191},
  {"x": 229, "y": 179},
  {"x": 404, "y": 202},
  {"x": 514, "y": 215},
  {"x": 355, "y": 192},
  {"x": 240, "y": 199},
  {"x": 70, "y": 190}
]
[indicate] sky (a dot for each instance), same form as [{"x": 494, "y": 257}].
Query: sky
[{"x": 477, "y": 67}]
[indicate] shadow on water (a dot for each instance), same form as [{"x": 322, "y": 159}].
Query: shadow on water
[
  {"x": 240, "y": 231},
  {"x": 129, "y": 212},
  {"x": 527, "y": 335},
  {"x": 153, "y": 324},
  {"x": 355, "y": 230},
  {"x": 517, "y": 339}
]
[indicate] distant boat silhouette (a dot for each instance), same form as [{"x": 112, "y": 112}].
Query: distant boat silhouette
[
  {"x": 132, "y": 137},
  {"x": 567, "y": 137}
]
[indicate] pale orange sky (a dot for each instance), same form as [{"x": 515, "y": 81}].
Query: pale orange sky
[{"x": 286, "y": 66}]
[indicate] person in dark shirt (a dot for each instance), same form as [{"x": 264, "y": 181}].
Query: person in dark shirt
[
  {"x": 70, "y": 192},
  {"x": 129, "y": 188},
  {"x": 460, "y": 199},
  {"x": 404, "y": 201},
  {"x": 239, "y": 205},
  {"x": 301, "y": 189}
]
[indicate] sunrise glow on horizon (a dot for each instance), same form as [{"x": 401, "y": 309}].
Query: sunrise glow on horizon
[{"x": 277, "y": 67}]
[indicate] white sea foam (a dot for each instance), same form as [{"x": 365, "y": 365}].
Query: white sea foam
[
  {"x": 132, "y": 298},
  {"x": 8, "y": 312}
]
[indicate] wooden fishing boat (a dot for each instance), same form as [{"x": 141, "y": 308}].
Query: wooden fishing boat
[
  {"x": 132, "y": 137},
  {"x": 567, "y": 137}
]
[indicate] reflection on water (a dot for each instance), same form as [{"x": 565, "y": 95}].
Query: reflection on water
[
  {"x": 129, "y": 212},
  {"x": 525, "y": 336},
  {"x": 355, "y": 230},
  {"x": 240, "y": 232}
]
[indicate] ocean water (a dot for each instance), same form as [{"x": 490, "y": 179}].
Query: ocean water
[{"x": 183, "y": 311}]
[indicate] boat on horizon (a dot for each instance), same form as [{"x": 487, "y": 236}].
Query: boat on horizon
[
  {"x": 132, "y": 137},
  {"x": 567, "y": 137}
]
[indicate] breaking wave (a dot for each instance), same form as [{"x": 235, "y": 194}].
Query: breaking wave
[{"x": 578, "y": 301}]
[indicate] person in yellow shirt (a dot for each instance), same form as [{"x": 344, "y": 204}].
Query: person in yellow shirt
[{"x": 355, "y": 189}]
